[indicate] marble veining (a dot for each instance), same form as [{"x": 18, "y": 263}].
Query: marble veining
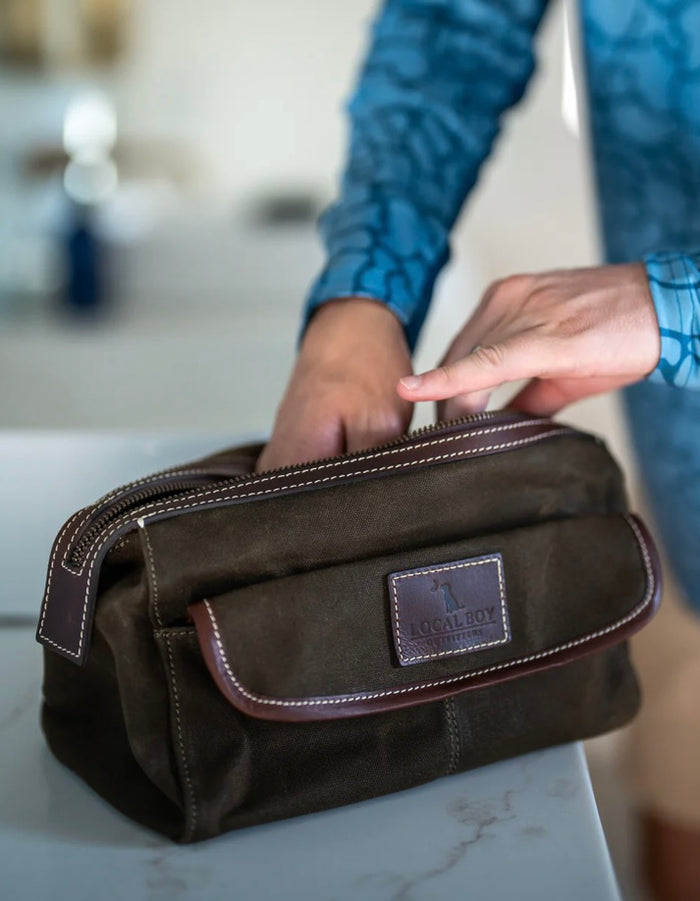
[{"x": 426, "y": 844}]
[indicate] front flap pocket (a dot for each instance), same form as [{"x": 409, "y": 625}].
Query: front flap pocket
[{"x": 424, "y": 623}]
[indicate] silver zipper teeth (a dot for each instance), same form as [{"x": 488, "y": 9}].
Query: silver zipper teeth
[{"x": 395, "y": 442}]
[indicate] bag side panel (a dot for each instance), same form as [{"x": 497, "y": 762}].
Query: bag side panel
[
  {"x": 109, "y": 721},
  {"x": 85, "y": 730}
]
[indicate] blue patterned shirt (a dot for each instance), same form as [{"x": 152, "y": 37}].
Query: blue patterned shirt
[{"x": 437, "y": 79}]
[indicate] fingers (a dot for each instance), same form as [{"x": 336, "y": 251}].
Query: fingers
[
  {"x": 330, "y": 437},
  {"x": 463, "y": 405},
  {"x": 341, "y": 395},
  {"x": 326, "y": 428},
  {"x": 300, "y": 446},
  {"x": 485, "y": 368},
  {"x": 475, "y": 402},
  {"x": 487, "y": 326},
  {"x": 577, "y": 332},
  {"x": 372, "y": 431}
]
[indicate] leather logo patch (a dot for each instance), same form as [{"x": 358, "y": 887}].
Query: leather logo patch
[{"x": 450, "y": 608}]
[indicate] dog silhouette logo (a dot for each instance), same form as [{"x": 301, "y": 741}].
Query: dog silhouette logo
[{"x": 452, "y": 605}]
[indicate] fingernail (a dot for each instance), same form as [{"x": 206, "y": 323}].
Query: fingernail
[{"x": 411, "y": 382}]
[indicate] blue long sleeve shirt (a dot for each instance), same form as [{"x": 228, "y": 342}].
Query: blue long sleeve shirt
[{"x": 437, "y": 79}]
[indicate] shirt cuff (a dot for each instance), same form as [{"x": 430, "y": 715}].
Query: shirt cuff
[
  {"x": 380, "y": 247},
  {"x": 674, "y": 280}
]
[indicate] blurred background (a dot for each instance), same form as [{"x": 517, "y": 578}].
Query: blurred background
[
  {"x": 161, "y": 168},
  {"x": 162, "y": 165}
]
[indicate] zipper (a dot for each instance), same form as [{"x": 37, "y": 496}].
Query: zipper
[
  {"x": 109, "y": 513},
  {"x": 74, "y": 567},
  {"x": 169, "y": 484},
  {"x": 396, "y": 442}
]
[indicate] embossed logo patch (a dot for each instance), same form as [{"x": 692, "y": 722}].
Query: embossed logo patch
[{"x": 450, "y": 608}]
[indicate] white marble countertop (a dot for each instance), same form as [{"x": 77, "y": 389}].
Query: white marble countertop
[{"x": 525, "y": 829}]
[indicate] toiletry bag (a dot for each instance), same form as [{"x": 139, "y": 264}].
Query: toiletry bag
[{"x": 224, "y": 648}]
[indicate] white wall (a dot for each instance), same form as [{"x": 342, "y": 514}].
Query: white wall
[{"x": 259, "y": 88}]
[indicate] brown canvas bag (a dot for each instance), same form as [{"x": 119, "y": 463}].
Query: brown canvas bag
[{"x": 225, "y": 648}]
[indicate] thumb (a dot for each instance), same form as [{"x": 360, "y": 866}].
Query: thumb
[{"x": 485, "y": 368}]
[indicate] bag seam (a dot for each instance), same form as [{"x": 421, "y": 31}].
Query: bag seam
[
  {"x": 453, "y": 734},
  {"x": 161, "y": 474},
  {"x": 151, "y": 568},
  {"x": 190, "y": 801},
  {"x": 189, "y": 795}
]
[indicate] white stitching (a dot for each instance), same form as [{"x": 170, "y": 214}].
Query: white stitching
[
  {"x": 370, "y": 696},
  {"x": 185, "y": 768},
  {"x": 152, "y": 570},
  {"x": 213, "y": 493},
  {"x": 258, "y": 480},
  {"x": 57, "y": 542},
  {"x": 60, "y": 646},
  {"x": 440, "y": 569},
  {"x": 93, "y": 552},
  {"x": 118, "y": 492},
  {"x": 150, "y": 563},
  {"x": 45, "y": 603}
]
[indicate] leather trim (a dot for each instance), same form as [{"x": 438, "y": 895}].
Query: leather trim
[
  {"x": 375, "y": 700},
  {"x": 70, "y": 597}
]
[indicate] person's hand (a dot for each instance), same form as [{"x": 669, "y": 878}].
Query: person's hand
[
  {"x": 572, "y": 333},
  {"x": 341, "y": 396}
]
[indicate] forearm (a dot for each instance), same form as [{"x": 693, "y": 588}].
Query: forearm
[
  {"x": 437, "y": 78},
  {"x": 674, "y": 280}
]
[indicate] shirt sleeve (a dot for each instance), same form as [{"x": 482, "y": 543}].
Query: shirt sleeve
[
  {"x": 437, "y": 78},
  {"x": 674, "y": 279}
]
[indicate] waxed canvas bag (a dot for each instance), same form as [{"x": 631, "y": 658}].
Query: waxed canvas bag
[{"x": 224, "y": 649}]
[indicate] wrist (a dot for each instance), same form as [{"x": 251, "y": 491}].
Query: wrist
[{"x": 352, "y": 318}]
